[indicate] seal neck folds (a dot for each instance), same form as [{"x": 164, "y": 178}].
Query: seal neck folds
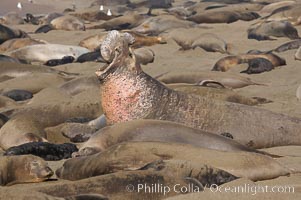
[{"x": 127, "y": 93}]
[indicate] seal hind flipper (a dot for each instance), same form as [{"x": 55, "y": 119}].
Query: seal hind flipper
[{"x": 44, "y": 29}]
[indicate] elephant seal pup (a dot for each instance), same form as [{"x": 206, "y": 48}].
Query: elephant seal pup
[
  {"x": 18, "y": 95},
  {"x": 226, "y": 63},
  {"x": 288, "y": 46},
  {"x": 159, "y": 131},
  {"x": 258, "y": 65},
  {"x": 18, "y": 43},
  {"x": 64, "y": 60},
  {"x": 127, "y": 93},
  {"x": 298, "y": 93},
  {"x": 265, "y": 30},
  {"x": 7, "y": 33},
  {"x": 134, "y": 155},
  {"x": 298, "y": 54},
  {"x": 45, "y": 52},
  {"x": 228, "y": 80},
  {"x": 45, "y": 150},
  {"x": 223, "y": 94},
  {"x": 23, "y": 169}
]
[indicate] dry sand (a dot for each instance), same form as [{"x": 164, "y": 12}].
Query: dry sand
[{"x": 281, "y": 83}]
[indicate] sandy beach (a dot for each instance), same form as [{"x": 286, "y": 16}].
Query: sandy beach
[{"x": 280, "y": 84}]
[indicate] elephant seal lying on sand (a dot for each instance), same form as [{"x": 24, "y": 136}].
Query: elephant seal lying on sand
[{"x": 23, "y": 169}]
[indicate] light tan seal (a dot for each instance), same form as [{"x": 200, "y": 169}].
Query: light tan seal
[
  {"x": 13, "y": 44},
  {"x": 23, "y": 169},
  {"x": 156, "y": 130},
  {"x": 68, "y": 23},
  {"x": 45, "y": 52}
]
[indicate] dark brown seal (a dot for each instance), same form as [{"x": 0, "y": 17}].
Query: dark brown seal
[{"x": 127, "y": 93}]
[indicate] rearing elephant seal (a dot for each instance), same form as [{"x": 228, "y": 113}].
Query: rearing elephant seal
[
  {"x": 23, "y": 169},
  {"x": 127, "y": 93}
]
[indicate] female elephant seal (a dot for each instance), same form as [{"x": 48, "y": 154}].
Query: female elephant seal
[
  {"x": 156, "y": 130},
  {"x": 273, "y": 28},
  {"x": 45, "y": 52},
  {"x": 23, "y": 169},
  {"x": 227, "y": 79},
  {"x": 134, "y": 155},
  {"x": 226, "y": 63},
  {"x": 127, "y": 93},
  {"x": 68, "y": 23}
]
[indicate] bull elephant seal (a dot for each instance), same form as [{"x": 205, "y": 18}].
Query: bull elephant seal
[
  {"x": 45, "y": 52},
  {"x": 127, "y": 93},
  {"x": 7, "y": 33},
  {"x": 44, "y": 150},
  {"x": 156, "y": 130},
  {"x": 223, "y": 94},
  {"x": 134, "y": 155},
  {"x": 23, "y": 169},
  {"x": 265, "y": 30}
]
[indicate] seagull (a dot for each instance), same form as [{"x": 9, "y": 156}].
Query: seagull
[
  {"x": 101, "y": 8},
  {"x": 109, "y": 13},
  {"x": 19, "y": 5}
]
